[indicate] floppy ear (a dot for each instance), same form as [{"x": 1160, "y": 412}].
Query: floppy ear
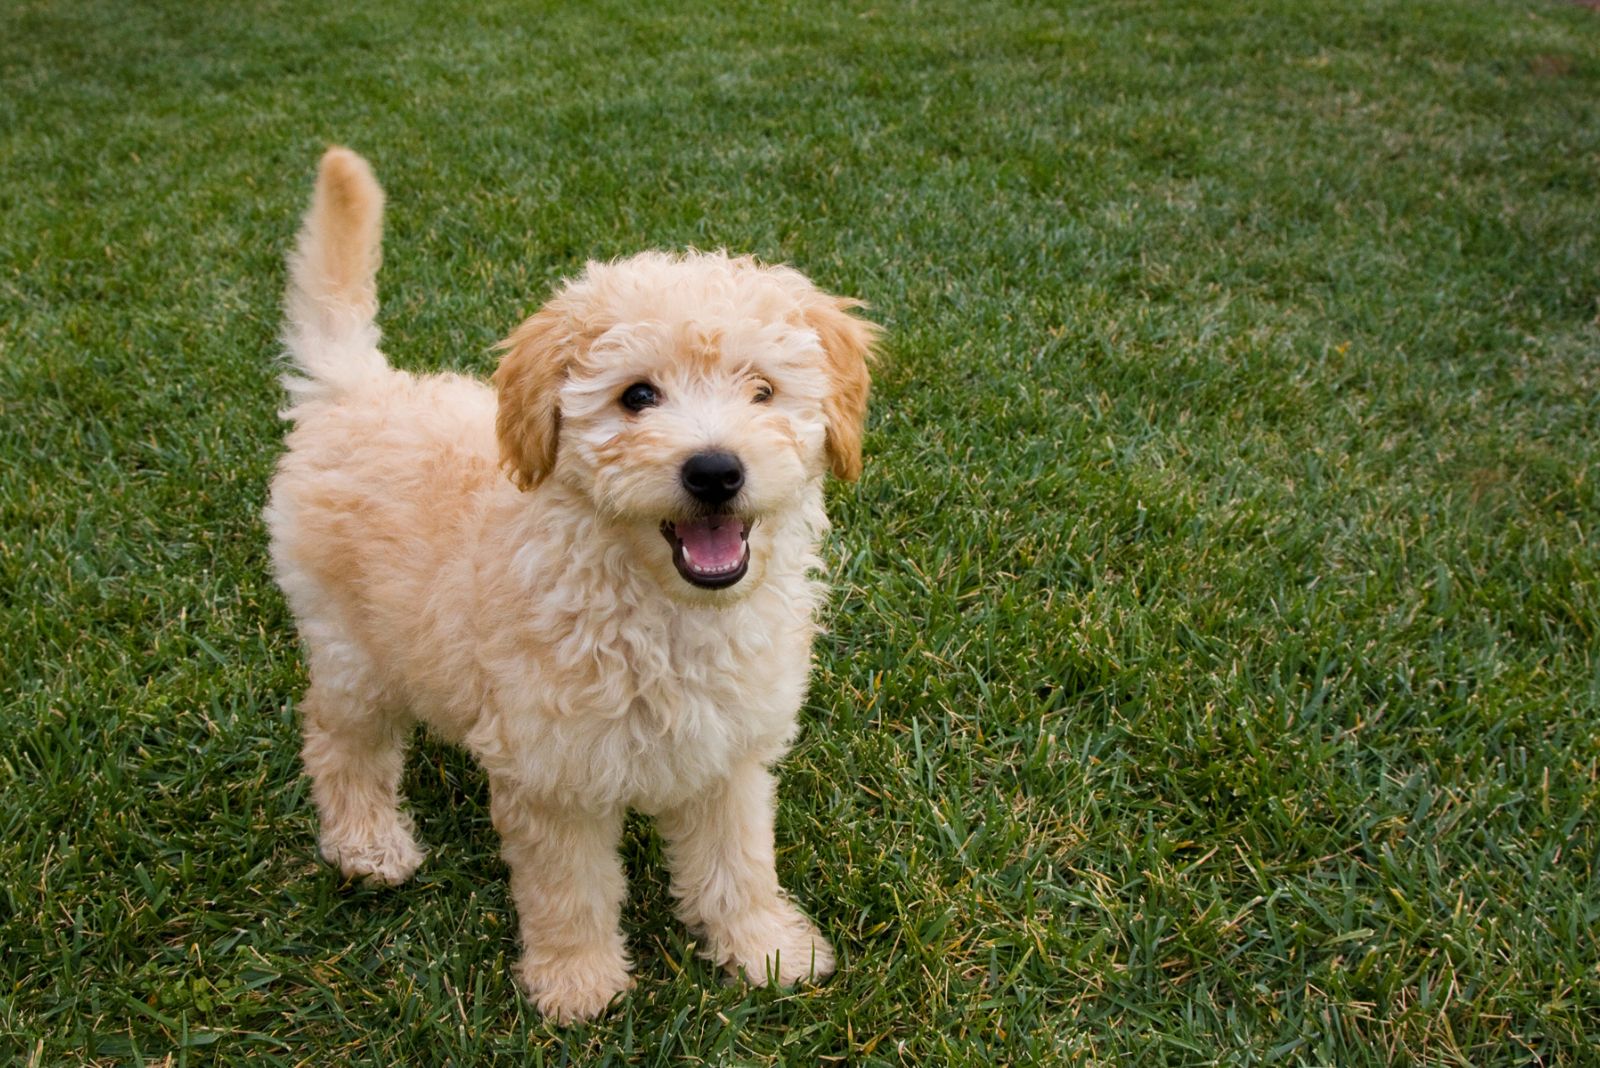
[
  {"x": 528, "y": 420},
  {"x": 847, "y": 345}
]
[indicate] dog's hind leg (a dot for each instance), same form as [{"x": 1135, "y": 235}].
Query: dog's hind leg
[{"x": 355, "y": 753}]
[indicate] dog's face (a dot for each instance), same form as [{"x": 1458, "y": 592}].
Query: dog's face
[{"x": 693, "y": 401}]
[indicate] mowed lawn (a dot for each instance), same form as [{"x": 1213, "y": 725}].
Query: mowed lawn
[{"x": 1213, "y": 672}]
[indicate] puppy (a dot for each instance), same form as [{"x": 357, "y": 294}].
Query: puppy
[{"x": 596, "y": 577}]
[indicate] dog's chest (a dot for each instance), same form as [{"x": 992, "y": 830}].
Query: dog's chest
[
  {"x": 648, "y": 710},
  {"x": 702, "y": 699}
]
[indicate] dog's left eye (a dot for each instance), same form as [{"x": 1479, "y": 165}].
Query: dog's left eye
[
  {"x": 763, "y": 393},
  {"x": 639, "y": 396}
]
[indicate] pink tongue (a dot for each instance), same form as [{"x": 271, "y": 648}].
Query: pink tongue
[{"x": 712, "y": 544}]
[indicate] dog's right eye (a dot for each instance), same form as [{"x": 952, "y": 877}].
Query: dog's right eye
[{"x": 639, "y": 396}]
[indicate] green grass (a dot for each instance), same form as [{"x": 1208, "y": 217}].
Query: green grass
[{"x": 1213, "y": 676}]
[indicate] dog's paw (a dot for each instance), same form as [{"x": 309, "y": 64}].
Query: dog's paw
[
  {"x": 388, "y": 858},
  {"x": 570, "y": 989},
  {"x": 779, "y": 945}
]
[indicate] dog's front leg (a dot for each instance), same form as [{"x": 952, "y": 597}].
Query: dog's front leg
[
  {"x": 719, "y": 847},
  {"x": 567, "y": 884}
]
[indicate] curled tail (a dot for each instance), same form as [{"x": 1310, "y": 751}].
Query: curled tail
[{"x": 333, "y": 296}]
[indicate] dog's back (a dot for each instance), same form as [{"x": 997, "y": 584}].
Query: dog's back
[{"x": 382, "y": 466}]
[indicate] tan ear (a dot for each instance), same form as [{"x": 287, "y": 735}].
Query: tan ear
[
  {"x": 528, "y": 420},
  {"x": 847, "y": 344}
]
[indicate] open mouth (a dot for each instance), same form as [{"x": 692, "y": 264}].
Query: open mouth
[{"x": 712, "y": 553}]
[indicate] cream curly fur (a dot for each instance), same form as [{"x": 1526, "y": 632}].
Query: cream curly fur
[{"x": 492, "y": 564}]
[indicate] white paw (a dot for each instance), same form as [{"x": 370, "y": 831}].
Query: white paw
[
  {"x": 779, "y": 945},
  {"x": 567, "y": 990},
  {"x": 385, "y": 858}
]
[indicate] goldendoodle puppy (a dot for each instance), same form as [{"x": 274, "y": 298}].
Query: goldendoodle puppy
[{"x": 597, "y": 577}]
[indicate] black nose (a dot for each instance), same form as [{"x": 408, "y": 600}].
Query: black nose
[{"x": 713, "y": 477}]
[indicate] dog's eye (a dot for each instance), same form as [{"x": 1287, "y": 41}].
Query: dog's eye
[
  {"x": 639, "y": 396},
  {"x": 763, "y": 393}
]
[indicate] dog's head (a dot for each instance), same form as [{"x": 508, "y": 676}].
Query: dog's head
[{"x": 693, "y": 400}]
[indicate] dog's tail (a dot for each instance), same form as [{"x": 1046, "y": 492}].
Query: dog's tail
[{"x": 332, "y": 297}]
